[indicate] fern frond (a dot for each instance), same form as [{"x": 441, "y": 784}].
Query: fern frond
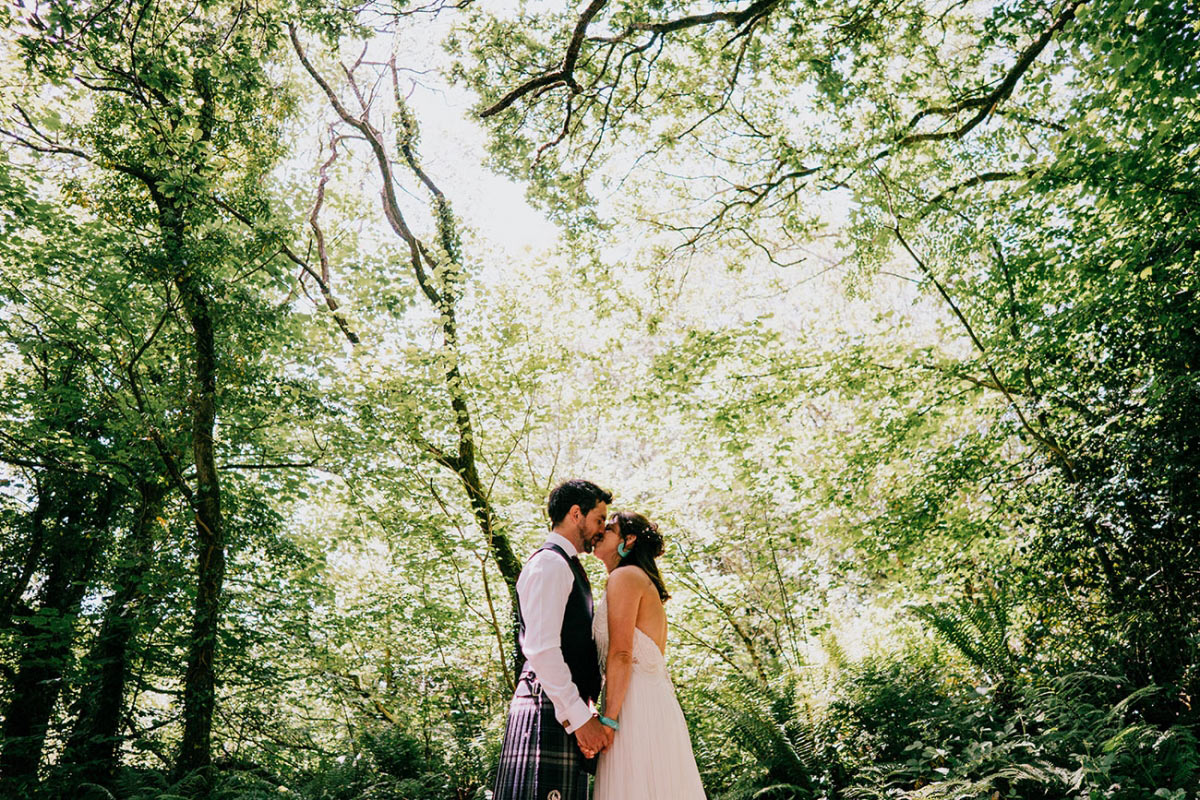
[
  {"x": 1119, "y": 709},
  {"x": 91, "y": 790},
  {"x": 779, "y": 790}
]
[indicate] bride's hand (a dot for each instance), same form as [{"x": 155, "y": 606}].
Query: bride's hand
[
  {"x": 590, "y": 753},
  {"x": 593, "y": 737}
]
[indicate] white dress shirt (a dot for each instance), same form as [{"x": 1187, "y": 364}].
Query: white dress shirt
[{"x": 542, "y": 590}]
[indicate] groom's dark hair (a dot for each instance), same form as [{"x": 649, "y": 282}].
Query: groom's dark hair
[{"x": 574, "y": 492}]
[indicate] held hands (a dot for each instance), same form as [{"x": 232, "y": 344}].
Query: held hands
[{"x": 593, "y": 737}]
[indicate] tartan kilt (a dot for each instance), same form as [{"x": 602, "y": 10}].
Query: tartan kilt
[{"x": 539, "y": 759}]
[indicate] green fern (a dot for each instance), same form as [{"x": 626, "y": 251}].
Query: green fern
[
  {"x": 1076, "y": 737},
  {"x": 768, "y": 724},
  {"x": 782, "y": 790},
  {"x": 978, "y": 628},
  {"x": 93, "y": 791}
]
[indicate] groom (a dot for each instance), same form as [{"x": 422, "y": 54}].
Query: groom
[{"x": 550, "y": 720}]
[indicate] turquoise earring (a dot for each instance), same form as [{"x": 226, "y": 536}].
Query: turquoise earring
[{"x": 621, "y": 551}]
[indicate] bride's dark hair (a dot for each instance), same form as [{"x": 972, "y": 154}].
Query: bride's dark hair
[{"x": 649, "y": 546}]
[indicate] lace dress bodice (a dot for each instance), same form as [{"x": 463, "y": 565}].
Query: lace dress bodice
[{"x": 647, "y": 658}]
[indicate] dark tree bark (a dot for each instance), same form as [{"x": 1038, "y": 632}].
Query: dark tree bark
[
  {"x": 91, "y": 751},
  {"x": 199, "y": 690},
  {"x": 77, "y": 513},
  {"x": 13, "y": 593},
  {"x": 199, "y": 693}
]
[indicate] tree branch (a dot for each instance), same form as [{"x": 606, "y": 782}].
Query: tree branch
[
  {"x": 282, "y": 465},
  {"x": 975, "y": 180},
  {"x": 391, "y": 206},
  {"x": 563, "y": 75},
  {"x": 565, "y": 72},
  {"x": 442, "y": 298},
  {"x": 1049, "y": 444},
  {"x": 330, "y": 302},
  {"x": 987, "y": 103},
  {"x": 737, "y": 19}
]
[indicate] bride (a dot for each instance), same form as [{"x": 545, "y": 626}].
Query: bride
[{"x": 651, "y": 755}]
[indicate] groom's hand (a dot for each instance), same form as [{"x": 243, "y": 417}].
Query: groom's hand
[{"x": 593, "y": 737}]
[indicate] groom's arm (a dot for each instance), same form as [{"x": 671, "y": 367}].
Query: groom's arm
[{"x": 542, "y": 590}]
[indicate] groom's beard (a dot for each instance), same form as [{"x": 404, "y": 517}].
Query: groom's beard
[{"x": 589, "y": 542}]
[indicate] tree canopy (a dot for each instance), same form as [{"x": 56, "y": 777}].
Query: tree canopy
[{"x": 885, "y": 312}]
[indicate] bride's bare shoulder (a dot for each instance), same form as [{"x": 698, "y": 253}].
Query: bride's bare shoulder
[{"x": 628, "y": 578}]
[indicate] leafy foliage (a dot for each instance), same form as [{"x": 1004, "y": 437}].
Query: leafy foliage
[{"x": 887, "y": 315}]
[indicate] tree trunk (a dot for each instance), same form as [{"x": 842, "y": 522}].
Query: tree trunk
[
  {"x": 77, "y": 515},
  {"x": 33, "y": 555},
  {"x": 91, "y": 751},
  {"x": 199, "y": 691}
]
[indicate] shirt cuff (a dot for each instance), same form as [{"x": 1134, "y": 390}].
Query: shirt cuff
[{"x": 578, "y": 716}]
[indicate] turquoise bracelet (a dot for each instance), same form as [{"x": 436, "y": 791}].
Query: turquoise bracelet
[{"x": 612, "y": 723}]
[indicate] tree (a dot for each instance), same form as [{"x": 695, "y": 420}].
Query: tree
[
  {"x": 65, "y": 436},
  {"x": 185, "y": 85},
  {"x": 437, "y": 267},
  {"x": 999, "y": 156},
  {"x": 93, "y": 744}
]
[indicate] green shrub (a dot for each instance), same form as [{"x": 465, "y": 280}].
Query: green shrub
[
  {"x": 885, "y": 703},
  {"x": 392, "y": 765},
  {"x": 790, "y": 757},
  {"x": 1077, "y": 737}
]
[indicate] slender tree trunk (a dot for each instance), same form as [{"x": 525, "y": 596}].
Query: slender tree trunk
[
  {"x": 442, "y": 293},
  {"x": 199, "y": 692},
  {"x": 33, "y": 554},
  {"x": 79, "y": 515},
  {"x": 91, "y": 751}
]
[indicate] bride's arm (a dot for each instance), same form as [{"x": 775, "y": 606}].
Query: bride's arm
[{"x": 623, "y": 595}]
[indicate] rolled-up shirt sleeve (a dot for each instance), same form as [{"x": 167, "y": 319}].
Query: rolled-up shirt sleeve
[{"x": 543, "y": 589}]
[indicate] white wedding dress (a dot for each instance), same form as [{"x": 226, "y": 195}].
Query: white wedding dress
[{"x": 651, "y": 755}]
